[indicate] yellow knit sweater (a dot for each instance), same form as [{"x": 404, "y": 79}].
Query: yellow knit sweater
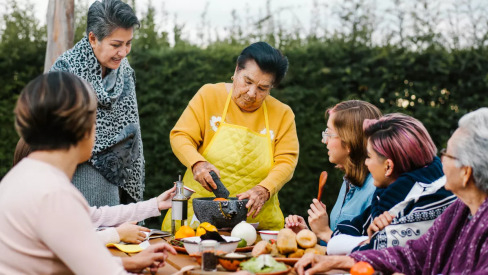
[{"x": 197, "y": 125}]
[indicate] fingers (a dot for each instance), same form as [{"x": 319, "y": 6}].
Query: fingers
[
  {"x": 303, "y": 263},
  {"x": 144, "y": 229},
  {"x": 210, "y": 182},
  {"x": 388, "y": 216}
]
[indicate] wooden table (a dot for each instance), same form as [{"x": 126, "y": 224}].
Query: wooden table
[{"x": 175, "y": 262}]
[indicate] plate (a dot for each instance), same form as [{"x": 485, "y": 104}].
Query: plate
[
  {"x": 245, "y": 249},
  {"x": 278, "y": 272},
  {"x": 288, "y": 261}
]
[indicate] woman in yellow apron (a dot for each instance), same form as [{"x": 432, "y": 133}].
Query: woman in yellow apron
[{"x": 243, "y": 134}]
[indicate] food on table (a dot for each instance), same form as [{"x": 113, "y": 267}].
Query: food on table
[
  {"x": 297, "y": 254},
  {"x": 245, "y": 231},
  {"x": 231, "y": 261},
  {"x": 306, "y": 238},
  {"x": 263, "y": 264},
  {"x": 362, "y": 268},
  {"x": 213, "y": 235},
  {"x": 176, "y": 243},
  {"x": 220, "y": 199},
  {"x": 242, "y": 243},
  {"x": 286, "y": 241},
  {"x": 204, "y": 227},
  {"x": 263, "y": 247},
  {"x": 317, "y": 249},
  {"x": 184, "y": 232},
  {"x": 274, "y": 251}
]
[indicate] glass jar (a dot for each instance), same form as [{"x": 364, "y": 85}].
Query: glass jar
[{"x": 207, "y": 249}]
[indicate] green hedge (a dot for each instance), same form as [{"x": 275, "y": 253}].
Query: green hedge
[{"x": 435, "y": 85}]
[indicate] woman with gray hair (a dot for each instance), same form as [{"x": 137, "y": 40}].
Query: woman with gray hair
[
  {"x": 457, "y": 243},
  {"x": 115, "y": 172}
]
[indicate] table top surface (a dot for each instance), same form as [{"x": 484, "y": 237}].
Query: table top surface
[{"x": 174, "y": 263}]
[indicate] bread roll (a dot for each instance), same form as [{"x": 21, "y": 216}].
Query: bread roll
[
  {"x": 262, "y": 247},
  {"x": 286, "y": 241},
  {"x": 297, "y": 254},
  {"x": 306, "y": 239},
  {"x": 317, "y": 249}
]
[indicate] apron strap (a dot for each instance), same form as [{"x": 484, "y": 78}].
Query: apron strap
[
  {"x": 266, "y": 121},
  {"x": 226, "y": 106}
]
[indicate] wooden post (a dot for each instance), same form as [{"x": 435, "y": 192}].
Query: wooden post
[{"x": 60, "y": 29}]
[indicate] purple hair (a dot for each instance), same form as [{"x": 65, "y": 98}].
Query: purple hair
[{"x": 401, "y": 138}]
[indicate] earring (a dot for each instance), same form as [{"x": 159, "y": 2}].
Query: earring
[{"x": 232, "y": 78}]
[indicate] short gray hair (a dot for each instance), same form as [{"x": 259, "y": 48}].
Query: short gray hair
[
  {"x": 106, "y": 16},
  {"x": 471, "y": 148}
]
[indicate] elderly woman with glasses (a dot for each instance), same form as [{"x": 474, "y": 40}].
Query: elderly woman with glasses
[
  {"x": 346, "y": 145},
  {"x": 115, "y": 172},
  {"x": 457, "y": 242},
  {"x": 243, "y": 134}
]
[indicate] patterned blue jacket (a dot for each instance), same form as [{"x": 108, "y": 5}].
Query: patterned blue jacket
[{"x": 416, "y": 198}]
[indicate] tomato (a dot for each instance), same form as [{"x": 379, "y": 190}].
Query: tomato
[{"x": 362, "y": 268}]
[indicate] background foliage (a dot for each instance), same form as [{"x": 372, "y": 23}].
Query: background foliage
[{"x": 426, "y": 74}]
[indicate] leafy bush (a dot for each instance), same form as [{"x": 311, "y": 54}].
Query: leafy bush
[{"x": 435, "y": 84}]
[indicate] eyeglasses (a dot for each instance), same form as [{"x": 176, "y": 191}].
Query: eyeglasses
[
  {"x": 327, "y": 134},
  {"x": 444, "y": 153}
]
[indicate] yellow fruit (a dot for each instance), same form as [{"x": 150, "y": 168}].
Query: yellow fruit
[
  {"x": 204, "y": 227},
  {"x": 184, "y": 232}
]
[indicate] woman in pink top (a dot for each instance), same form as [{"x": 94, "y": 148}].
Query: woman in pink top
[
  {"x": 119, "y": 219},
  {"x": 46, "y": 226}
]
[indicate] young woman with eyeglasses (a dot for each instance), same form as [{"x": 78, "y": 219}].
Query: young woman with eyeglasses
[{"x": 346, "y": 145}]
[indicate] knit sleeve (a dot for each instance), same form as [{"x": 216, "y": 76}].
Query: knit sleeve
[
  {"x": 187, "y": 135},
  {"x": 409, "y": 259},
  {"x": 118, "y": 214},
  {"x": 108, "y": 235},
  {"x": 285, "y": 155},
  {"x": 355, "y": 227}
]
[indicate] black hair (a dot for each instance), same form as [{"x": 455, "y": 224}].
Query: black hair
[{"x": 269, "y": 60}]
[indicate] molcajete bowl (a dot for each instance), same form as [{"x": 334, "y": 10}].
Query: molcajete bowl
[{"x": 222, "y": 214}]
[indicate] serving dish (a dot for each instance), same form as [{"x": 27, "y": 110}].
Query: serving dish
[
  {"x": 191, "y": 244},
  {"x": 232, "y": 263}
]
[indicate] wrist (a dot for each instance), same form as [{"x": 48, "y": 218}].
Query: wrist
[
  {"x": 268, "y": 194},
  {"x": 343, "y": 262},
  {"x": 325, "y": 235},
  {"x": 129, "y": 264}
]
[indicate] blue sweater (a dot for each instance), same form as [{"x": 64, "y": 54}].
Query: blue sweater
[{"x": 412, "y": 218}]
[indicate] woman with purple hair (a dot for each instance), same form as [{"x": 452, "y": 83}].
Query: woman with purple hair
[{"x": 410, "y": 187}]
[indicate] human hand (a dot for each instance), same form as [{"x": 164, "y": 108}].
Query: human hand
[
  {"x": 311, "y": 263},
  {"x": 164, "y": 200},
  {"x": 257, "y": 196},
  {"x": 152, "y": 257},
  {"x": 201, "y": 173},
  {"x": 319, "y": 220},
  {"x": 295, "y": 223},
  {"x": 379, "y": 223},
  {"x": 129, "y": 232}
]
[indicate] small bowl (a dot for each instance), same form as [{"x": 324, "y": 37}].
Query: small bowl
[
  {"x": 267, "y": 235},
  {"x": 191, "y": 244},
  {"x": 232, "y": 263}
]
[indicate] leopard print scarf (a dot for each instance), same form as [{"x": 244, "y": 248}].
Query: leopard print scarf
[{"x": 117, "y": 153}]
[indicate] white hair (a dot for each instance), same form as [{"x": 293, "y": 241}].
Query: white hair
[{"x": 471, "y": 147}]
